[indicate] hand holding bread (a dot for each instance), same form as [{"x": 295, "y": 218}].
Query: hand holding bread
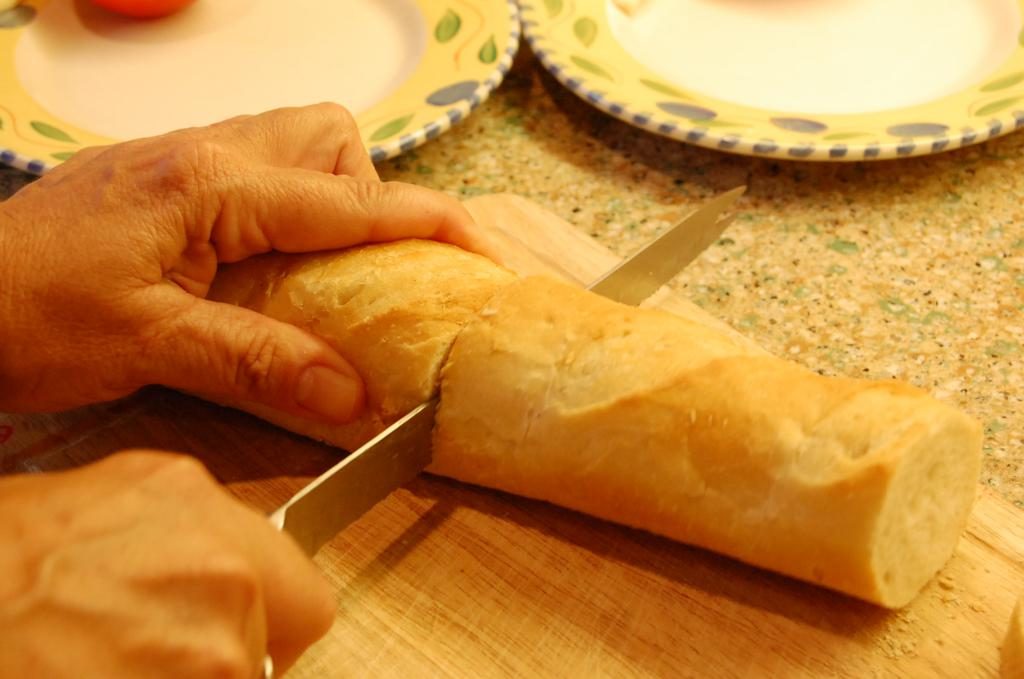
[{"x": 112, "y": 299}]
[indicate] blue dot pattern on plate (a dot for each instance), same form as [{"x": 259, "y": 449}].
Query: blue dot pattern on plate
[
  {"x": 800, "y": 125},
  {"x": 917, "y": 129},
  {"x": 686, "y": 110},
  {"x": 446, "y": 96},
  {"x": 17, "y": 16}
]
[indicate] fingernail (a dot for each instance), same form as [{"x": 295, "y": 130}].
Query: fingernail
[{"x": 328, "y": 393}]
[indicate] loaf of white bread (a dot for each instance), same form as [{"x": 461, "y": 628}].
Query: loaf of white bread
[
  {"x": 637, "y": 416},
  {"x": 1012, "y": 664}
]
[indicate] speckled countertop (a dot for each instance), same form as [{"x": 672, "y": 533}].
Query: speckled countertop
[{"x": 909, "y": 269}]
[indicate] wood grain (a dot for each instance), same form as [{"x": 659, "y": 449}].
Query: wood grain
[{"x": 444, "y": 579}]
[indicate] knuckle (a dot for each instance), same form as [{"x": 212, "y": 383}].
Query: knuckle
[
  {"x": 324, "y": 114},
  {"x": 243, "y": 582},
  {"x": 166, "y": 168},
  {"x": 335, "y": 113},
  {"x": 367, "y": 197},
  {"x": 196, "y": 159},
  {"x": 193, "y": 168},
  {"x": 236, "y": 580},
  {"x": 394, "y": 190},
  {"x": 188, "y": 468},
  {"x": 204, "y": 153},
  {"x": 174, "y": 473},
  {"x": 188, "y": 162},
  {"x": 257, "y": 365},
  {"x": 185, "y": 474}
]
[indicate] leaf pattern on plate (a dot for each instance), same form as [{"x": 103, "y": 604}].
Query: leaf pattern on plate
[
  {"x": 62, "y": 155},
  {"x": 799, "y": 125},
  {"x": 489, "y": 52},
  {"x": 996, "y": 106},
  {"x": 447, "y": 26},
  {"x": 449, "y": 94},
  {"x": 1004, "y": 82},
  {"x": 554, "y": 7},
  {"x": 688, "y": 111},
  {"x": 662, "y": 88},
  {"x": 591, "y": 67},
  {"x": 917, "y": 129},
  {"x": 585, "y": 29},
  {"x": 391, "y": 128},
  {"x": 48, "y": 130}
]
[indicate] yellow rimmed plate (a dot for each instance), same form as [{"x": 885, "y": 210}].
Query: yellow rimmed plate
[
  {"x": 655, "y": 67},
  {"x": 73, "y": 76}
]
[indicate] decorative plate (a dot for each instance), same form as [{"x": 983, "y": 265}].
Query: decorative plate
[
  {"x": 72, "y": 75},
  {"x": 838, "y": 81}
]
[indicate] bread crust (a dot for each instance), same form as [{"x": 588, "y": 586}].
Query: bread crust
[{"x": 660, "y": 423}]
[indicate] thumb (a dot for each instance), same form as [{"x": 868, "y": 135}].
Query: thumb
[{"x": 232, "y": 354}]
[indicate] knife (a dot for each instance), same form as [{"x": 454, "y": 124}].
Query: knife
[{"x": 398, "y": 454}]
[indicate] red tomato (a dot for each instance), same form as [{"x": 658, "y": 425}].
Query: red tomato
[{"x": 143, "y": 9}]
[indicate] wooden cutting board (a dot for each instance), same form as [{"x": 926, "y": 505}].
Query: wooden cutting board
[{"x": 444, "y": 579}]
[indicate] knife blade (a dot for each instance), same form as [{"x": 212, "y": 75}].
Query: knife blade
[
  {"x": 658, "y": 262},
  {"x": 347, "y": 490},
  {"x": 399, "y": 453}
]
